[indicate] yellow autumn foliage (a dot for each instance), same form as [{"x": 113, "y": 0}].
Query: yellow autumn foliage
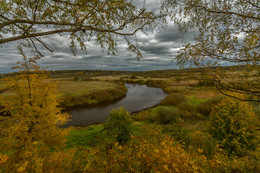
[{"x": 30, "y": 132}]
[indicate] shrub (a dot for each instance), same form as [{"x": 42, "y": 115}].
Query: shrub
[
  {"x": 166, "y": 115},
  {"x": 118, "y": 125},
  {"x": 205, "y": 107},
  {"x": 233, "y": 123},
  {"x": 173, "y": 100}
]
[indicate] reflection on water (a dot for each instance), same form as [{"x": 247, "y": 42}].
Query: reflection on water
[{"x": 138, "y": 97}]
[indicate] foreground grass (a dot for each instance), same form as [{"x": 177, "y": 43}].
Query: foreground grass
[{"x": 85, "y": 136}]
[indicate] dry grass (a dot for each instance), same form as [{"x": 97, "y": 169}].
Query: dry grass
[
  {"x": 109, "y": 78},
  {"x": 77, "y": 88}
]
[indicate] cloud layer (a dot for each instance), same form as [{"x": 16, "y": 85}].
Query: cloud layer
[{"x": 158, "y": 49}]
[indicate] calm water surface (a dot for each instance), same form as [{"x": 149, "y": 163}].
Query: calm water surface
[{"x": 138, "y": 97}]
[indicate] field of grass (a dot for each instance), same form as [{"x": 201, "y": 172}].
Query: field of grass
[
  {"x": 78, "y": 88},
  {"x": 77, "y": 93}
]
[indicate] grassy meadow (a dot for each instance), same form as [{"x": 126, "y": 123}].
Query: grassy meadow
[{"x": 77, "y": 93}]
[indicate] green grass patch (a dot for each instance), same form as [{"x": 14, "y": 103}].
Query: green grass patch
[{"x": 85, "y": 136}]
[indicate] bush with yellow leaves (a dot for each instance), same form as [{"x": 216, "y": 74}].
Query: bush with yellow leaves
[{"x": 233, "y": 124}]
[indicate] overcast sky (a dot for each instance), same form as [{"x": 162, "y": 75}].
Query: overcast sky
[{"x": 158, "y": 50}]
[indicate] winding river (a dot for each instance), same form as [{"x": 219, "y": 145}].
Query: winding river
[{"x": 138, "y": 97}]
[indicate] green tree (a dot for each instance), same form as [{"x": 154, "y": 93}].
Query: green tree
[
  {"x": 30, "y": 132},
  {"x": 227, "y": 31},
  {"x": 234, "y": 124},
  {"x": 30, "y": 20},
  {"x": 118, "y": 125}
]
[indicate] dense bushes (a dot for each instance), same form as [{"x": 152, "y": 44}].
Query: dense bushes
[
  {"x": 233, "y": 123},
  {"x": 118, "y": 125}
]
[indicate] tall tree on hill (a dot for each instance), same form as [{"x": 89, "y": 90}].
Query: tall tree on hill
[
  {"x": 30, "y": 132},
  {"x": 227, "y": 32}
]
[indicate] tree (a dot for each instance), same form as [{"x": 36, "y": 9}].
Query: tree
[
  {"x": 234, "y": 124},
  {"x": 227, "y": 32},
  {"x": 29, "y": 21},
  {"x": 30, "y": 132},
  {"x": 118, "y": 125}
]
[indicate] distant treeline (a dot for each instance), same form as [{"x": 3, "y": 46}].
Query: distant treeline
[{"x": 153, "y": 73}]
